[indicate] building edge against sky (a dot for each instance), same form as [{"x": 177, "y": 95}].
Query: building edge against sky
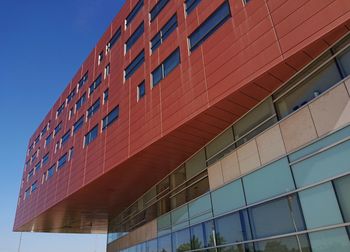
[{"x": 202, "y": 125}]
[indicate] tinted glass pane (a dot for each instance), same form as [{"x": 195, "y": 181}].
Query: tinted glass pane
[
  {"x": 232, "y": 228},
  {"x": 114, "y": 39},
  {"x": 169, "y": 27},
  {"x": 288, "y": 244},
  {"x": 199, "y": 188},
  {"x": 158, "y": 8},
  {"x": 220, "y": 142},
  {"x": 336, "y": 240},
  {"x": 179, "y": 215},
  {"x": 280, "y": 216},
  {"x": 181, "y": 240},
  {"x": 134, "y": 65},
  {"x": 228, "y": 198},
  {"x": 202, "y": 235},
  {"x": 312, "y": 87},
  {"x": 342, "y": 187},
  {"x": 320, "y": 206},
  {"x": 164, "y": 243},
  {"x": 344, "y": 59},
  {"x": 156, "y": 41},
  {"x": 157, "y": 76},
  {"x": 209, "y": 26},
  {"x": 195, "y": 164},
  {"x": 248, "y": 247},
  {"x": 276, "y": 179},
  {"x": 152, "y": 246},
  {"x": 133, "y": 12},
  {"x": 191, "y": 5},
  {"x": 317, "y": 168},
  {"x": 171, "y": 62},
  {"x": 134, "y": 37},
  {"x": 200, "y": 209}
]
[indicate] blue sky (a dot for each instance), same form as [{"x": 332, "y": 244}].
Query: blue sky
[{"x": 42, "y": 44}]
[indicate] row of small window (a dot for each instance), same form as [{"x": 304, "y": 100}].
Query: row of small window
[
  {"x": 37, "y": 167},
  {"x": 50, "y": 172},
  {"x": 37, "y": 139}
]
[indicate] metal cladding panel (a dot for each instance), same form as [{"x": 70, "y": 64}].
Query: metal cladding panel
[{"x": 262, "y": 45}]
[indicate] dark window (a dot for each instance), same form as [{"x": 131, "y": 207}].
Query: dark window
[
  {"x": 100, "y": 58},
  {"x": 65, "y": 137},
  {"x": 50, "y": 171},
  {"x": 134, "y": 65},
  {"x": 164, "y": 243},
  {"x": 113, "y": 40},
  {"x": 80, "y": 102},
  {"x": 45, "y": 158},
  {"x": 95, "y": 84},
  {"x": 91, "y": 136},
  {"x": 37, "y": 140},
  {"x": 277, "y": 217},
  {"x": 164, "y": 32},
  {"x": 71, "y": 152},
  {"x": 62, "y": 161},
  {"x": 58, "y": 129},
  {"x": 191, "y": 5},
  {"x": 34, "y": 186},
  {"x": 233, "y": 228},
  {"x": 48, "y": 139},
  {"x": 158, "y": 8},
  {"x": 166, "y": 67},
  {"x": 209, "y": 26},
  {"x": 202, "y": 235},
  {"x": 83, "y": 80},
  {"x": 105, "y": 95},
  {"x": 77, "y": 125},
  {"x": 93, "y": 109},
  {"x": 134, "y": 37},
  {"x": 60, "y": 109},
  {"x": 70, "y": 96},
  {"x": 43, "y": 131},
  {"x": 30, "y": 174},
  {"x": 141, "y": 90},
  {"x": 181, "y": 240},
  {"x": 133, "y": 12},
  {"x": 31, "y": 147},
  {"x": 110, "y": 118},
  {"x": 38, "y": 166}
]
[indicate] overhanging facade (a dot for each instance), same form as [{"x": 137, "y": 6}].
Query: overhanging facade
[{"x": 191, "y": 115}]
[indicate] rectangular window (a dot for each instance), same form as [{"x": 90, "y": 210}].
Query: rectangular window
[
  {"x": 43, "y": 131},
  {"x": 91, "y": 136},
  {"x": 113, "y": 40},
  {"x": 141, "y": 90},
  {"x": 134, "y": 37},
  {"x": 158, "y": 7},
  {"x": 50, "y": 172},
  {"x": 78, "y": 124},
  {"x": 45, "y": 159},
  {"x": 62, "y": 161},
  {"x": 100, "y": 58},
  {"x": 107, "y": 71},
  {"x": 27, "y": 193},
  {"x": 71, "y": 96},
  {"x": 134, "y": 65},
  {"x": 58, "y": 129},
  {"x": 110, "y": 118},
  {"x": 65, "y": 137},
  {"x": 37, "y": 166},
  {"x": 80, "y": 102},
  {"x": 30, "y": 174},
  {"x": 166, "y": 67},
  {"x": 34, "y": 186},
  {"x": 60, "y": 109},
  {"x": 164, "y": 32},
  {"x": 71, "y": 152},
  {"x": 37, "y": 140},
  {"x": 133, "y": 13},
  {"x": 93, "y": 109},
  {"x": 48, "y": 139},
  {"x": 191, "y": 5},
  {"x": 83, "y": 80},
  {"x": 95, "y": 84},
  {"x": 34, "y": 157},
  {"x": 105, "y": 95},
  {"x": 209, "y": 26}
]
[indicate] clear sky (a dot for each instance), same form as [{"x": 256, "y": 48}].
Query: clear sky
[{"x": 42, "y": 44}]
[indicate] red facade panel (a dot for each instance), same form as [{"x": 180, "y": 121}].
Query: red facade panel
[{"x": 261, "y": 46}]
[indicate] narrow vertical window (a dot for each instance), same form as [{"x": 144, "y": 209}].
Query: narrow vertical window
[{"x": 141, "y": 90}]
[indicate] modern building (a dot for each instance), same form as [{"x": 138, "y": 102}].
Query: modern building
[{"x": 202, "y": 125}]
